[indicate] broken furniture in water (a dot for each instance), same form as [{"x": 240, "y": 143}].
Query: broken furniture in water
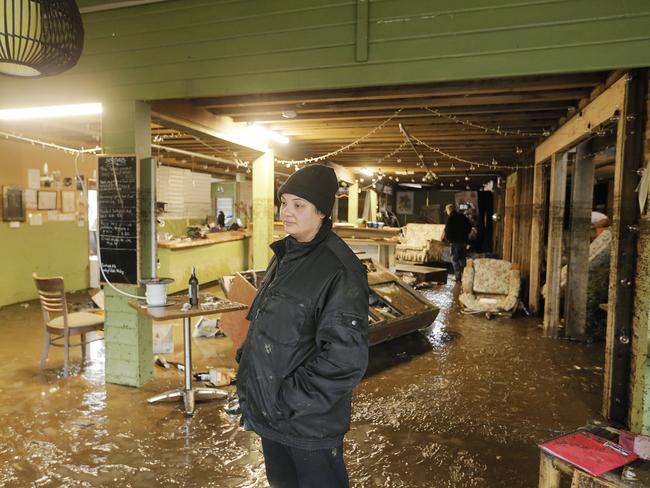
[
  {"x": 490, "y": 286},
  {"x": 419, "y": 275},
  {"x": 422, "y": 243},
  {"x": 177, "y": 308},
  {"x": 394, "y": 309}
]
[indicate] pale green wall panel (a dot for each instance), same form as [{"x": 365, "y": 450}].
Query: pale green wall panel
[
  {"x": 51, "y": 249},
  {"x": 210, "y": 25},
  {"x": 193, "y": 48},
  {"x": 221, "y": 50}
]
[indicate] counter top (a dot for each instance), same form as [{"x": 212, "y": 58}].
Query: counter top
[
  {"x": 212, "y": 238},
  {"x": 347, "y": 231}
]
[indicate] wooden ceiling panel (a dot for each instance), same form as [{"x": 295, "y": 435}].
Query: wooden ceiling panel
[{"x": 480, "y": 121}]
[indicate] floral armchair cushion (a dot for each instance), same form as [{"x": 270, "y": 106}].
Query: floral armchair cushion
[{"x": 490, "y": 285}]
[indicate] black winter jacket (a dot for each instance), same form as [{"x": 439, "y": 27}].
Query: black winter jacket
[
  {"x": 457, "y": 228},
  {"x": 307, "y": 345}
]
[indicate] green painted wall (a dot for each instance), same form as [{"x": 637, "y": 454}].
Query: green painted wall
[
  {"x": 193, "y": 48},
  {"x": 51, "y": 249},
  {"x": 58, "y": 248}
]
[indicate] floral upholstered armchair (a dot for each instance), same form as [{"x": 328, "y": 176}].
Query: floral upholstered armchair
[
  {"x": 599, "y": 254},
  {"x": 422, "y": 243},
  {"x": 490, "y": 286}
]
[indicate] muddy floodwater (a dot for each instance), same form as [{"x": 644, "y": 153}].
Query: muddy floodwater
[{"x": 462, "y": 404}]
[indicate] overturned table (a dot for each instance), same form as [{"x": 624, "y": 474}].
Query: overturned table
[
  {"x": 174, "y": 310},
  {"x": 423, "y": 273}
]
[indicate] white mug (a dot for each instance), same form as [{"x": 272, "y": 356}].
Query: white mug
[{"x": 156, "y": 294}]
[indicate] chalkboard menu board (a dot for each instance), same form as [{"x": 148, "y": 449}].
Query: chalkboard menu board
[{"x": 118, "y": 225}]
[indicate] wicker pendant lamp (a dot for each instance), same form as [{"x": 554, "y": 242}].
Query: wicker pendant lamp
[{"x": 39, "y": 37}]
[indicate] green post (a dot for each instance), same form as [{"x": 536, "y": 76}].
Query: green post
[
  {"x": 372, "y": 194},
  {"x": 353, "y": 203},
  {"x": 128, "y": 335},
  {"x": 262, "y": 209}
]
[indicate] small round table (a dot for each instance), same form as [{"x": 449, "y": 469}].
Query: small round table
[{"x": 174, "y": 310}]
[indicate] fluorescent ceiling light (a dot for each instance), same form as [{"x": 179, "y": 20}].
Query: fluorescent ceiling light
[
  {"x": 51, "y": 112},
  {"x": 411, "y": 185},
  {"x": 367, "y": 171},
  {"x": 269, "y": 134}
]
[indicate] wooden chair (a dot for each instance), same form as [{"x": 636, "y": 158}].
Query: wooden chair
[{"x": 58, "y": 330}]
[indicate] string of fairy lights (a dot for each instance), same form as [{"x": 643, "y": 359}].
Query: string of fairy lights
[
  {"x": 498, "y": 130},
  {"x": 51, "y": 145},
  {"x": 468, "y": 165},
  {"x": 431, "y": 176},
  {"x": 290, "y": 162},
  {"x": 409, "y": 143}
]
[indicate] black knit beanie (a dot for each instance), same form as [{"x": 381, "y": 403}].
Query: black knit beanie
[{"x": 315, "y": 183}]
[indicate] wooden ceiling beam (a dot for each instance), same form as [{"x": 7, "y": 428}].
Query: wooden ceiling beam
[
  {"x": 186, "y": 117},
  {"x": 464, "y": 112},
  {"x": 437, "y": 103},
  {"x": 516, "y": 120},
  {"x": 509, "y": 85}
]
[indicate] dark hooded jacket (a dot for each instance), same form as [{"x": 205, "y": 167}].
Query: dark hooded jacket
[
  {"x": 307, "y": 345},
  {"x": 457, "y": 228}
]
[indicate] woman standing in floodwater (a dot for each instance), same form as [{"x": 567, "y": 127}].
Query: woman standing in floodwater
[{"x": 307, "y": 345}]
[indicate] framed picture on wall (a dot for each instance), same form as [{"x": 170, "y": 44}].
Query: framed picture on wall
[
  {"x": 13, "y": 209},
  {"x": 47, "y": 200},
  {"x": 404, "y": 202},
  {"x": 68, "y": 201}
]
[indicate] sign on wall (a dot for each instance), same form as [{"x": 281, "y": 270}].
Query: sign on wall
[{"x": 117, "y": 217}]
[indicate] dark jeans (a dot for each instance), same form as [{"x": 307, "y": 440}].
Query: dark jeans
[
  {"x": 289, "y": 467},
  {"x": 458, "y": 259}
]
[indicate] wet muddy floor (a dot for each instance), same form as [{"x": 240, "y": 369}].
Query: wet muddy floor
[{"x": 462, "y": 404}]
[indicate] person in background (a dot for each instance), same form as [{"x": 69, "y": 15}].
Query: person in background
[
  {"x": 456, "y": 232},
  {"x": 221, "y": 219},
  {"x": 307, "y": 345}
]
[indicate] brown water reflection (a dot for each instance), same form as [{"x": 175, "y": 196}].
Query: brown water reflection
[{"x": 461, "y": 405}]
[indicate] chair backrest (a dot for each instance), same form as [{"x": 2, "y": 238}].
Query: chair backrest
[
  {"x": 51, "y": 292},
  {"x": 419, "y": 234},
  {"x": 491, "y": 276}
]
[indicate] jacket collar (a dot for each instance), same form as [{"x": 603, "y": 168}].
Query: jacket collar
[{"x": 292, "y": 248}]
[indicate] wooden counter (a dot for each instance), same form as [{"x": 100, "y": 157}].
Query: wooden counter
[
  {"x": 221, "y": 253},
  {"x": 350, "y": 232},
  {"x": 383, "y": 250},
  {"x": 212, "y": 238}
]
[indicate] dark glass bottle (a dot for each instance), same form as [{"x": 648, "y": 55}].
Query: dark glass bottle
[{"x": 193, "y": 290}]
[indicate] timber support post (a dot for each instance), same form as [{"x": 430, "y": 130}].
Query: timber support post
[
  {"x": 629, "y": 156},
  {"x": 554, "y": 247},
  {"x": 536, "y": 236},
  {"x": 582, "y": 196}
]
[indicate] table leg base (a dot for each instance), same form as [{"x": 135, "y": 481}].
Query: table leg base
[{"x": 189, "y": 396}]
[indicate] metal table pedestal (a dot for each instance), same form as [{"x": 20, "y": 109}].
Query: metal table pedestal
[{"x": 187, "y": 393}]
